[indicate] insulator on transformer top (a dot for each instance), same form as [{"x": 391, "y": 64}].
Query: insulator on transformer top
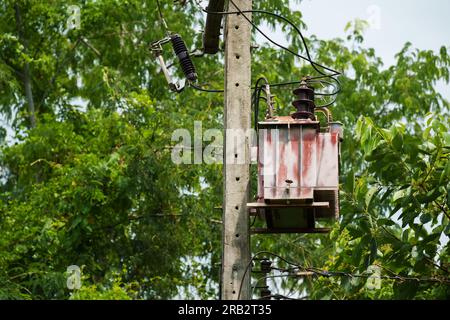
[
  {"x": 305, "y": 102},
  {"x": 266, "y": 266},
  {"x": 183, "y": 55}
]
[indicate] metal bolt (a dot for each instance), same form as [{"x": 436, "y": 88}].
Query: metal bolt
[{"x": 288, "y": 188}]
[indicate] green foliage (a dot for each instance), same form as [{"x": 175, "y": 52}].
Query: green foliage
[
  {"x": 115, "y": 290},
  {"x": 93, "y": 183},
  {"x": 395, "y": 177}
]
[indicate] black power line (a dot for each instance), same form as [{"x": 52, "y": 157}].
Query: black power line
[
  {"x": 328, "y": 274},
  {"x": 307, "y": 58},
  {"x": 161, "y": 17},
  {"x": 315, "y": 65}
]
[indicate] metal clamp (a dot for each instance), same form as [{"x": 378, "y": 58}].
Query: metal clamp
[{"x": 156, "y": 48}]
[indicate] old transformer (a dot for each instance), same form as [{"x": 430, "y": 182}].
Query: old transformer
[{"x": 298, "y": 168}]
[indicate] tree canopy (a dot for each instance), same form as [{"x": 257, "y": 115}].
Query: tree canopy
[{"x": 87, "y": 177}]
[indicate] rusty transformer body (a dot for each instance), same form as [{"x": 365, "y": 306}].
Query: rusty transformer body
[{"x": 298, "y": 169}]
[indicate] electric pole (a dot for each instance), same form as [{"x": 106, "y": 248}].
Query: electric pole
[{"x": 237, "y": 118}]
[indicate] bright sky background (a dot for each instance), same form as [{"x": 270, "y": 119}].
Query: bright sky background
[{"x": 426, "y": 24}]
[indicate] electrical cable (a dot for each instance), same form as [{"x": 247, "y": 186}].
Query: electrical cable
[
  {"x": 315, "y": 65},
  {"x": 328, "y": 274},
  {"x": 161, "y": 17},
  {"x": 307, "y": 58},
  {"x": 254, "y": 221},
  {"x": 281, "y": 84},
  {"x": 253, "y": 259},
  {"x": 337, "y": 90},
  {"x": 255, "y": 99},
  {"x": 278, "y": 297},
  {"x": 266, "y": 278},
  {"x": 327, "y": 104},
  {"x": 198, "y": 88},
  {"x": 285, "y": 84},
  {"x": 246, "y": 270}
]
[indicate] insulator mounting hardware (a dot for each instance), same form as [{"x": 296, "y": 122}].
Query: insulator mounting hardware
[
  {"x": 182, "y": 53},
  {"x": 305, "y": 102}
]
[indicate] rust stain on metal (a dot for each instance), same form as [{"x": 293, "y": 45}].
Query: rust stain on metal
[
  {"x": 298, "y": 168},
  {"x": 298, "y": 163}
]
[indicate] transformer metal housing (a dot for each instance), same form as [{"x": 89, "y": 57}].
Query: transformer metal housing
[{"x": 298, "y": 172}]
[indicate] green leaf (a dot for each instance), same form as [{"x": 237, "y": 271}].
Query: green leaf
[
  {"x": 447, "y": 230},
  {"x": 405, "y": 235},
  {"x": 399, "y": 195},
  {"x": 349, "y": 181},
  {"x": 445, "y": 173},
  {"x": 370, "y": 194},
  {"x": 425, "y": 218},
  {"x": 395, "y": 210},
  {"x": 446, "y": 136},
  {"x": 432, "y": 238},
  {"x": 385, "y": 222},
  {"x": 431, "y": 196},
  {"x": 405, "y": 290},
  {"x": 397, "y": 142},
  {"x": 388, "y": 192}
]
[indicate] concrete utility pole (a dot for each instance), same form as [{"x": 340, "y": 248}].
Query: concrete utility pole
[{"x": 237, "y": 116}]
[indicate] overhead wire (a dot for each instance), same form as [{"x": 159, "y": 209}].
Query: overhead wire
[
  {"x": 198, "y": 88},
  {"x": 278, "y": 297},
  {"x": 308, "y": 57},
  {"x": 266, "y": 278},
  {"x": 281, "y": 84},
  {"x": 328, "y": 274},
  {"x": 256, "y": 97},
  {"x": 253, "y": 259},
  {"x": 315, "y": 65},
  {"x": 161, "y": 16}
]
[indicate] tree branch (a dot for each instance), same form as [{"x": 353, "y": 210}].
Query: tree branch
[
  {"x": 12, "y": 67},
  {"x": 26, "y": 72}
]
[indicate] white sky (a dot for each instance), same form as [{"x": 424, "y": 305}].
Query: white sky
[{"x": 426, "y": 24}]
